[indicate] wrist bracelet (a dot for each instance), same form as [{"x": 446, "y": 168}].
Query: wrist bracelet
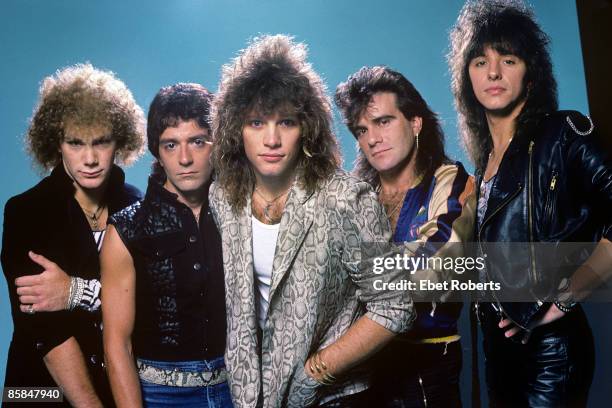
[
  {"x": 565, "y": 308},
  {"x": 77, "y": 285},
  {"x": 71, "y": 289},
  {"x": 321, "y": 368}
]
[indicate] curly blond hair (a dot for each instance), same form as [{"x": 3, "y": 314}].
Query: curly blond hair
[
  {"x": 271, "y": 74},
  {"x": 84, "y": 95}
]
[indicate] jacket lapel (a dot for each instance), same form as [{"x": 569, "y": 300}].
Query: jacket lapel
[
  {"x": 295, "y": 223},
  {"x": 247, "y": 279},
  {"x": 242, "y": 355},
  {"x": 508, "y": 180}
]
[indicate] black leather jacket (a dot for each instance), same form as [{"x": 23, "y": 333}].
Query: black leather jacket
[{"x": 554, "y": 184}]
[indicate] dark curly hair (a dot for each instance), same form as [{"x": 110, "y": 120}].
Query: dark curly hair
[
  {"x": 354, "y": 95},
  {"x": 271, "y": 74},
  {"x": 178, "y": 102},
  {"x": 509, "y": 27},
  {"x": 84, "y": 95}
]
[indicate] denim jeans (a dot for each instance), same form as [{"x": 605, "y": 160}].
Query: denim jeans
[{"x": 162, "y": 396}]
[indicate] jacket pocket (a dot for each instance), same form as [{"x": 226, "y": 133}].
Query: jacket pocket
[{"x": 161, "y": 246}]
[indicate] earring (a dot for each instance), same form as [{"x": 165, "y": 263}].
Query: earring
[
  {"x": 306, "y": 152},
  {"x": 417, "y": 141}
]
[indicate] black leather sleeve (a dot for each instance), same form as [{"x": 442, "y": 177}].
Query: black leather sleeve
[{"x": 591, "y": 163}]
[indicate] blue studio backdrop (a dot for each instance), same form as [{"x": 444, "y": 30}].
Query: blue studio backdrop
[{"x": 156, "y": 43}]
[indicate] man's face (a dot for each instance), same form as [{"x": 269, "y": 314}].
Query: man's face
[
  {"x": 497, "y": 80},
  {"x": 272, "y": 145},
  {"x": 384, "y": 134},
  {"x": 184, "y": 153},
  {"x": 88, "y": 153}
]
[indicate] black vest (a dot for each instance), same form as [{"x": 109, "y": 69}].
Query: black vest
[{"x": 180, "y": 295}]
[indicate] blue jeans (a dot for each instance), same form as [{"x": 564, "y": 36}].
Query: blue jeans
[{"x": 162, "y": 396}]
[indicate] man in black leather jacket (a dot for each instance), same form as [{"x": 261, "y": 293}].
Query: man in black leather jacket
[{"x": 543, "y": 176}]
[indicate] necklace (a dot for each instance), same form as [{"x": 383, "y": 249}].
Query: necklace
[
  {"x": 394, "y": 203},
  {"x": 266, "y": 209},
  {"x": 93, "y": 216},
  {"x": 505, "y": 147}
]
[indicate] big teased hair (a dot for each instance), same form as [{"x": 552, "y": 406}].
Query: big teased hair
[
  {"x": 172, "y": 104},
  {"x": 509, "y": 27},
  {"x": 354, "y": 95},
  {"x": 271, "y": 74},
  {"x": 84, "y": 95}
]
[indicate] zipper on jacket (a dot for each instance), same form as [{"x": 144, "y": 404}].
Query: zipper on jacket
[
  {"x": 507, "y": 200},
  {"x": 550, "y": 198},
  {"x": 534, "y": 276}
]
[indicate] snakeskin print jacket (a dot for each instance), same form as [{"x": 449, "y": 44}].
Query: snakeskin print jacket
[{"x": 319, "y": 288}]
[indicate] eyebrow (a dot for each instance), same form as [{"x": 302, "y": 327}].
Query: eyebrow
[
  {"x": 190, "y": 138},
  {"x": 103, "y": 138},
  {"x": 383, "y": 117},
  {"x": 82, "y": 140}
]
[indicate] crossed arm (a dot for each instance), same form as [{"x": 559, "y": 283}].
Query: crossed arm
[
  {"x": 118, "y": 311},
  {"x": 62, "y": 354},
  {"x": 50, "y": 290}
]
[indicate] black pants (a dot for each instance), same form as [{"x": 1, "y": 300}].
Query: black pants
[
  {"x": 362, "y": 399},
  {"x": 554, "y": 369},
  {"x": 408, "y": 375}
]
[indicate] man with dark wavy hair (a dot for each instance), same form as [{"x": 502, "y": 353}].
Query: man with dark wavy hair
[
  {"x": 302, "y": 308},
  {"x": 162, "y": 273},
  {"x": 429, "y": 200},
  {"x": 543, "y": 176}
]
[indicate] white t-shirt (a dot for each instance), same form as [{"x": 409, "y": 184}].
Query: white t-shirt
[{"x": 264, "y": 244}]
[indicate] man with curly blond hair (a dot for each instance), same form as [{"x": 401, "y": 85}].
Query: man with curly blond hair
[
  {"x": 302, "y": 309},
  {"x": 85, "y": 121}
]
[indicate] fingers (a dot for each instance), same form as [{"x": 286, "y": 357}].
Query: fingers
[
  {"x": 29, "y": 280},
  {"x": 29, "y": 308},
  {"x": 28, "y": 300},
  {"x": 504, "y": 323},
  {"x": 514, "y": 330},
  {"x": 41, "y": 260},
  {"x": 510, "y": 328},
  {"x": 27, "y": 291}
]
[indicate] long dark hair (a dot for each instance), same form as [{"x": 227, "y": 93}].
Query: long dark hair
[
  {"x": 509, "y": 27},
  {"x": 353, "y": 97}
]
